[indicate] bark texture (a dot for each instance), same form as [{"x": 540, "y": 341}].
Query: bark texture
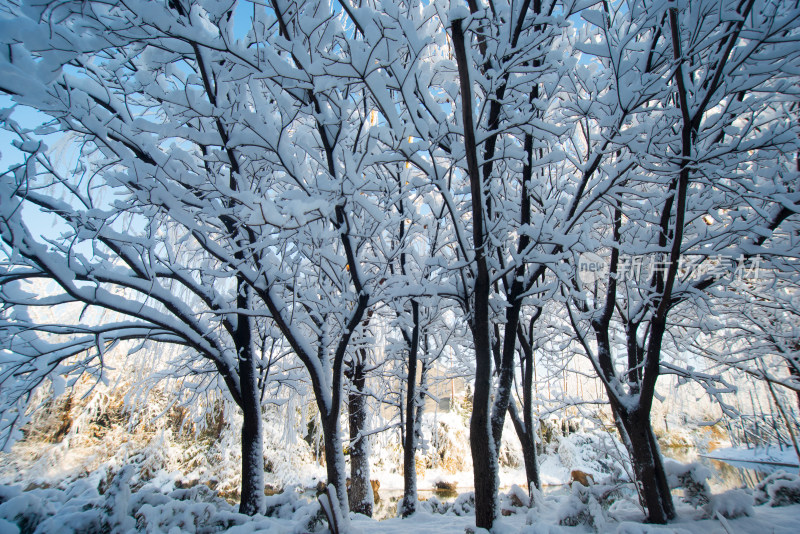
[
  {"x": 648, "y": 466},
  {"x": 334, "y": 458},
  {"x": 361, "y": 497},
  {"x": 409, "y": 504},
  {"x": 252, "y": 500}
]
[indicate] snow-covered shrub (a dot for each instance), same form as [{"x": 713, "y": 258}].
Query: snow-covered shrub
[
  {"x": 588, "y": 506},
  {"x": 692, "y": 479},
  {"x": 464, "y": 504},
  {"x": 574, "y": 512},
  {"x": 116, "y": 504},
  {"x": 730, "y": 504},
  {"x": 26, "y": 510},
  {"x": 289, "y": 505},
  {"x": 76, "y": 507},
  {"x": 778, "y": 489},
  {"x": 449, "y": 443},
  {"x": 785, "y": 492},
  {"x": 551, "y": 430},
  {"x": 9, "y": 492},
  {"x": 596, "y": 453},
  {"x": 287, "y": 457},
  {"x": 509, "y": 456},
  {"x": 515, "y": 501},
  {"x": 443, "y": 484},
  {"x": 116, "y": 501},
  {"x": 433, "y": 506},
  {"x": 187, "y": 516}
]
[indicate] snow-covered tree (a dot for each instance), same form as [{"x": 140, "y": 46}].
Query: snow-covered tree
[
  {"x": 254, "y": 145},
  {"x": 687, "y": 121},
  {"x": 310, "y": 173},
  {"x": 511, "y": 60}
]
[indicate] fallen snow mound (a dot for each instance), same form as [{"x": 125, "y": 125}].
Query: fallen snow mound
[{"x": 119, "y": 502}]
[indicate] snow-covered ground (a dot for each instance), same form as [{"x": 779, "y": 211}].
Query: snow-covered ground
[
  {"x": 67, "y": 491},
  {"x": 121, "y": 502},
  {"x": 111, "y": 480}
]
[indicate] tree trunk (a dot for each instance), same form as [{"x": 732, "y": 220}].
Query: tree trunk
[
  {"x": 527, "y": 440},
  {"x": 482, "y": 446},
  {"x": 409, "y": 504},
  {"x": 484, "y": 453},
  {"x": 334, "y": 456},
  {"x": 252, "y": 500},
  {"x": 794, "y": 364},
  {"x": 361, "y": 498},
  {"x": 648, "y": 466},
  {"x": 524, "y": 426},
  {"x": 506, "y": 367}
]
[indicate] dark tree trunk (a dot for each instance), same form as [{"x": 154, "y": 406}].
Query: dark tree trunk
[
  {"x": 409, "y": 505},
  {"x": 252, "y": 500},
  {"x": 506, "y": 366},
  {"x": 334, "y": 456},
  {"x": 484, "y": 454},
  {"x": 360, "y": 496},
  {"x": 482, "y": 444},
  {"x": 524, "y": 426},
  {"x": 794, "y": 363},
  {"x": 421, "y": 391},
  {"x": 527, "y": 440},
  {"x": 634, "y": 424},
  {"x": 648, "y": 466}
]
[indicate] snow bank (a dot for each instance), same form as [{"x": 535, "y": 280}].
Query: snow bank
[
  {"x": 730, "y": 504},
  {"x": 94, "y": 504}
]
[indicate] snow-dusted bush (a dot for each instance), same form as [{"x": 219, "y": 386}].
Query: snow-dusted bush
[
  {"x": 26, "y": 510},
  {"x": 588, "y": 506},
  {"x": 692, "y": 479},
  {"x": 449, "y": 443},
  {"x": 574, "y": 512},
  {"x": 730, "y": 504},
  {"x": 515, "y": 501},
  {"x": 433, "y": 506},
  {"x": 778, "y": 489},
  {"x": 119, "y": 501},
  {"x": 596, "y": 453},
  {"x": 463, "y": 505},
  {"x": 289, "y": 505}
]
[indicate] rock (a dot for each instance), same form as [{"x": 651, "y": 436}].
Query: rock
[{"x": 579, "y": 476}]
